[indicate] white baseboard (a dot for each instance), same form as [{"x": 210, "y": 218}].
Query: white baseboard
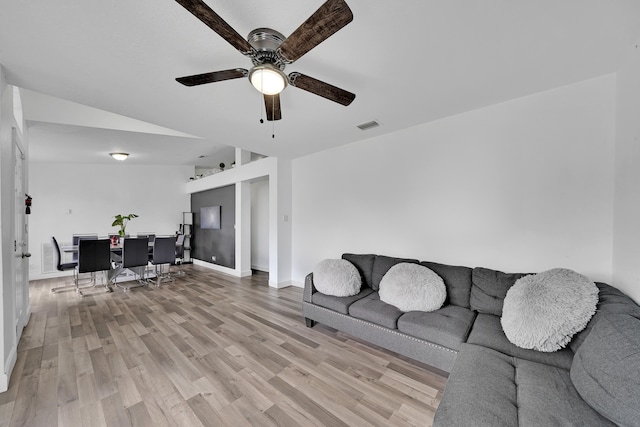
[
  {"x": 216, "y": 267},
  {"x": 8, "y": 368},
  {"x": 260, "y": 268},
  {"x": 280, "y": 285}
]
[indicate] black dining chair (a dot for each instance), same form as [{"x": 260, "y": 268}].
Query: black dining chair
[
  {"x": 75, "y": 239},
  {"x": 152, "y": 238},
  {"x": 179, "y": 258},
  {"x": 164, "y": 253},
  {"x": 94, "y": 255},
  {"x": 60, "y": 266},
  {"x": 135, "y": 257}
]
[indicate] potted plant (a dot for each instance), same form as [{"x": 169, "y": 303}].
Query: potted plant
[{"x": 121, "y": 221}]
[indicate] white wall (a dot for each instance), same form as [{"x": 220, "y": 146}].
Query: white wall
[
  {"x": 260, "y": 225},
  {"x": 626, "y": 253},
  {"x": 525, "y": 185},
  {"x": 95, "y": 194}
]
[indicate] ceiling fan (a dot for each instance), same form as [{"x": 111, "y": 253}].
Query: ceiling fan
[{"x": 271, "y": 52}]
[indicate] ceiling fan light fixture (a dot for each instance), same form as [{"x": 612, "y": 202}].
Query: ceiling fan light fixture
[
  {"x": 119, "y": 156},
  {"x": 268, "y": 79}
]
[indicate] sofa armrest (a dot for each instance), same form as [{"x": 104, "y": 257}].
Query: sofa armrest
[{"x": 309, "y": 289}]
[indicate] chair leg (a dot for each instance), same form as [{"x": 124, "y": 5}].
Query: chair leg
[
  {"x": 139, "y": 277},
  {"x": 160, "y": 276},
  {"x": 78, "y": 291},
  {"x": 180, "y": 271},
  {"x": 105, "y": 283},
  {"x": 67, "y": 287}
]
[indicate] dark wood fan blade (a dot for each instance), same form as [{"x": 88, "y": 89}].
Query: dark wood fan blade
[
  {"x": 320, "y": 88},
  {"x": 216, "y": 76},
  {"x": 204, "y": 13},
  {"x": 272, "y": 105},
  {"x": 328, "y": 19}
]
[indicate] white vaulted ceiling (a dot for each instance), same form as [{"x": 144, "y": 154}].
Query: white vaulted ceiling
[{"x": 408, "y": 62}]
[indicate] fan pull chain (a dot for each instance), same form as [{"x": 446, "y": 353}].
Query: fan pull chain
[
  {"x": 261, "y": 97},
  {"x": 261, "y": 102},
  {"x": 273, "y": 117}
]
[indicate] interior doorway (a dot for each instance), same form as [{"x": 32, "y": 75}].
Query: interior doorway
[{"x": 260, "y": 224}]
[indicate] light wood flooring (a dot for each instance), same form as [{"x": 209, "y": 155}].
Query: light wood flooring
[{"x": 206, "y": 350}]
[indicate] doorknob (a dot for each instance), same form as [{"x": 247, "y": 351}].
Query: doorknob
[{"x": 26, "y": 255}]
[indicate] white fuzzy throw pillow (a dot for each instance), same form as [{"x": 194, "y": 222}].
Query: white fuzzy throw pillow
[
  {"x": 337, "y": 277},
  {"x": 543, "y": 311},
  {"x": 412, "y": 287}
]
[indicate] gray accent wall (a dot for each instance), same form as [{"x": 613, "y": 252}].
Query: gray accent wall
[{"x": 207, "y": 243}]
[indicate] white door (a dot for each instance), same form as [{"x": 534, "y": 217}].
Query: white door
[{"x": 21, "y": 248}]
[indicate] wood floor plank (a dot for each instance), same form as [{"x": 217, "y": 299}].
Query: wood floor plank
[
  {"x": 310, "y": 405},
  {"x": 208, "y": 349},
  {"x": 114, "y": 410},
  {"x": 93, "y": 415},
  {"x": 124, "y": 383},
  {"x": 280, "y": 417},
  {"x": 70, "y": 414},
  {"x": 205, "y": 413},
  {"x": 139, "y": 415},
  {"x": 102, "y": 374}
]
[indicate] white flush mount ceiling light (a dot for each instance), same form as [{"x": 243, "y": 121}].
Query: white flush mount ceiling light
[
  {"x": 119, "y": 156},
  {"x": 268, "y": 79}
]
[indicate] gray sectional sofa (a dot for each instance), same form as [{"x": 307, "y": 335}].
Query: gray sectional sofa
[{"x": 594, "y": 381}]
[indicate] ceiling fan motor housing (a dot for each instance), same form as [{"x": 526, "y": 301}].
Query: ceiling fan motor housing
[{"x": 266, "y": 41}]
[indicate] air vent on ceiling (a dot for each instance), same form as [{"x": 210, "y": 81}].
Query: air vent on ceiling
[{"x": 369, "y": 125}]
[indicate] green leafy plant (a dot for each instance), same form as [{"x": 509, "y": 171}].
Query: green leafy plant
[{"x": 121, "y": 221}]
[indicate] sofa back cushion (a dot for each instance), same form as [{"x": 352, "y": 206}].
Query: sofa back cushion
[
  {"x": 382, "y": 264},
  {"x": 457, "y": 279},
  {"x": 364, "y": 265},
  {"x": 610, "y": 301},
  {"x": 488, "y": 289},
  {"x": 606, "y": 369}
]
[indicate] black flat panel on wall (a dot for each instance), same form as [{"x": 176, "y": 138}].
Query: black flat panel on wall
[{"x": 218, "y": 243}]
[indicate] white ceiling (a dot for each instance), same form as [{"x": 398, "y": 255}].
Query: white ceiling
[{"x": 408, "y": 63}]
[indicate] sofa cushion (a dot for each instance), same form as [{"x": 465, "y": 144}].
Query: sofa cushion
[
  {"x": 339, "y": 304},
  {"x": 337, "y": 277},
  {"x": 489, "y": 288},
  {"x": 457, "y": 279},
  {"x": 610, "y": 301},
  {"x": 364, "y": 264},
  {"x": 411, "y": 287},
  {"x": 488, "y": 388},
  {"x": 606, "y": 368},
  {"x": 448, "y": 327},
  {"x": 374, "y": 310},
  {"x": 544, "y": 311},
  {"x": 487, "y": 332},
  {"x": 381, "y": 265}
]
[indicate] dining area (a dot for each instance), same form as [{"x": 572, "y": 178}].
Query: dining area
[{"x": 118, "y": 261}]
